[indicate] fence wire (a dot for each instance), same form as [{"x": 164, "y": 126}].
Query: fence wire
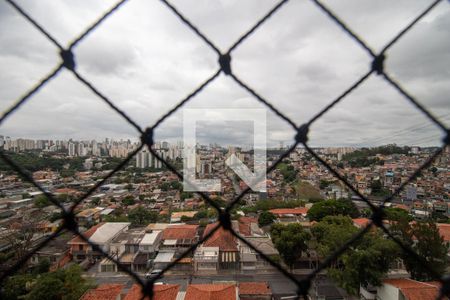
[{"x": 301, "y": 138}]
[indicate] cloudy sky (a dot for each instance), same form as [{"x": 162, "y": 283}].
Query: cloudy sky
[{"x": 146, "y": 61}]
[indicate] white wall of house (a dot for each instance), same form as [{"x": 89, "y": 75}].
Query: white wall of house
[
  {"x": 150, "y": 242},
  {"x": 388, "y": 292}
]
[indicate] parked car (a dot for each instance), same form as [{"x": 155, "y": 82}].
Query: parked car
[{"x": 153, "y": 273}]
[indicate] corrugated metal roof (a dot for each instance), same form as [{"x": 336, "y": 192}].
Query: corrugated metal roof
[{"x": 107, "y": 231}]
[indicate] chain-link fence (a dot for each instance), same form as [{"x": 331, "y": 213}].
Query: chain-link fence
[{"x": 301, "y": 138}]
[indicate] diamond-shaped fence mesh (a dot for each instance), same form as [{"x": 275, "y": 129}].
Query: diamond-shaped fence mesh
[{"x": 301, "y": 138}]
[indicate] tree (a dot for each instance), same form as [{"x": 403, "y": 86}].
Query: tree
[
  {"x": 128, "y": 200},
  {"x": 290, "y": 241},
  {"x": 58, "y": 285},
  {"x": 397, "y": 214},
  {"x": 201, "y": 214},
  {"x": 424, "y": 238},
  {"x": 21, "y": 238},
  {"x": 186, "y": 195},
  {"x": 15, "y": 286},
  {"x": 324, "y": 184},
  {"x": 67, "y": 173},
  {"x": 95, "y": 201},
  {"x": 185, "y": 219},
  {"x": 434, "y": 170},
  {"x": 305, "y": 190},
  {"x": 266, "y": 218},
  {"x": 41, "y": 201},
  {"x": 219, "y": 201},
  {"x": 47, "y": 287},
  {"x": 366, "y": 262},
  {"x": 43, "y": 266},
  {"x": 65, "y": 284},
  {"x": 377, "y": 189},
  {"x": 288, "y": 172},
  {"x": 116, "y": 218},
  {"x": 321, "y": 209},
  {"x": 62, "y": 198},
  {"x": 273, "y": 203},
  {"x": 55, "y": 216},
  {"x": 141, "y": 216},
  {"x": 165, "y": 186},
  {"x": 176, "y": 185}
]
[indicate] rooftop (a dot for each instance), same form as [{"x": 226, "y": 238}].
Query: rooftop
[
  {"x": 161, "y": 292},
  {"x": 176, "y": 232},
  {"x": 415, "y": 290},
  {"x": 254, "y": 288},
  {"x": 210, "y": 292},
  {"x": 88, "y": 233},
  {"x": 104, "y": 292},
  {"x": 149, "y": 238},
  {"x": 290, "y": 211},
  {"x": 132, "y": 236},
  {"x": 221, "y": 238},
  {"x": 107, "y": 232}
]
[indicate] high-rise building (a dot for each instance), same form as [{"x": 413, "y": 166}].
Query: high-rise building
[
  {"x": 71, "y": 148},
  {"x": 144, "y": 159}
]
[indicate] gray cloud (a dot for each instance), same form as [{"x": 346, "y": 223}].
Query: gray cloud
[{"x": 146, "y": 61}]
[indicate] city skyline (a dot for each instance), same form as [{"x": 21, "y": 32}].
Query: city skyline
[{"x": 179, "y": 143}]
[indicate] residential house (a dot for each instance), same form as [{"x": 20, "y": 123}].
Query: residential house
[
  {"x": 290, "y": 214},
  {"x": 160, "y": 292},
  {"x": 105, "y": 234},
  {"x": 156, "y": 226},
  {"x": 88, "y": 217},
  {"x": 227, "y": 244},
  {"x": 211, "y": 292},
  {"x": 104, "y": 292},
  {"x": 78, "y": 247},
  {"x": 177, "y": 216},
  {"x": 150, "y": 242},
  {"x": 254, "y": 291},
  {"x": 206, "y": 259},
  {"x": 175, "y": 239},
  {"x": 249, "y": 259},
  {"x": 100, "y": 234},
  {"x": 125, "y": 248},
  {"x": 163, "y": 259},
  {"x": 179, "y": 237},
  {"x": 55, "y": 250},
  {"x": 407, "y": 289}
]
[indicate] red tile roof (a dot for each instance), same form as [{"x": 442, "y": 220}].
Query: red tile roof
[
  {"x": 244, "y": 225},
  {"x": 220, "y": 238},
  {"x": 88, "y": 233},
  {"x": 210, "y": 292},
  {"x": 254, "y": 288},
  {"x": 66, "y": 191},
  {"x": 402, "y": 206},
  {"x": 160, "y": 292},
  {"x": 104, "y": 292},
  {"x": 290, "y": 211},
  {"x": 444, "y": 230},
  {"x": 176, "y": 232},
  {"x": 415, "y": 290},
  {"x": 361, "y": 222}
]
